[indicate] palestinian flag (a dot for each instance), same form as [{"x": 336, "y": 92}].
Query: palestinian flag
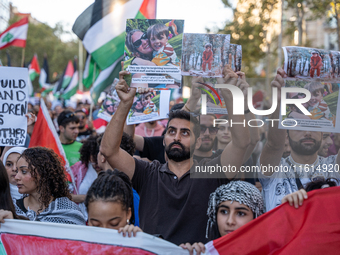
[
  {"x": 44, "y": 80},
  {"x": 101, "y": 27},
  {"x": 91, "y": 71},
  {"x": 313, "y": 228},
  {"x": 33, "y": 68},
  {"x": 65, "y": 79},
  {"x": 15, "y": 35},
  {"x": 71, "y": 89},
  {"x": 45, "y": 135}
]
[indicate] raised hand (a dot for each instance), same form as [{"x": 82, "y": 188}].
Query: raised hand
[{"x": 125, "y": 93}]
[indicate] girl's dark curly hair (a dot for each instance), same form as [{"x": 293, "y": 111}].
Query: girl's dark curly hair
[
  {"x": 89, "y": 150},
  {"x": 318, "y": 183},
  {"x": 47, "y": 169},
  {"x": 112, "y": 186}
]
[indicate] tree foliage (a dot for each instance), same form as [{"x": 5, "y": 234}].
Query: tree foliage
[
  {"x": 43, "y": 40},
  {"x": 249, "y": 28}
]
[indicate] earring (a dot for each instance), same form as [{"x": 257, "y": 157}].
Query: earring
[{"x": 128, "y": 221}]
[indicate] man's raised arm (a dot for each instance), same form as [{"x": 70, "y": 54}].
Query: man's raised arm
[
  {"x": 110, "y": 145},
  {"x": 234, "y": 152},
  {"x": 273, "y": 149}
]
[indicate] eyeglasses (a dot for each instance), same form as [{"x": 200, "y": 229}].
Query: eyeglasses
[
  {"x": 212, "y": 130},
  {"x": 81, "y": 117},
  {"x": 138, "y": 42},
  {"x": 110, "y": 105}
]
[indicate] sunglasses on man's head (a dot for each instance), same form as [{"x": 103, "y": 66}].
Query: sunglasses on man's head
[
  {"x": 212, "y": 130},
  {"x": 138, "y": 42},
  {"x": 69, "y": 115}
]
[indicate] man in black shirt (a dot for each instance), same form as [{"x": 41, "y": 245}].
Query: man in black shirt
[{"x": 171, "y": 202}]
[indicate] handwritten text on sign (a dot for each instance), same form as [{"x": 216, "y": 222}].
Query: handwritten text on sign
[{"x": 13, "y": 105}]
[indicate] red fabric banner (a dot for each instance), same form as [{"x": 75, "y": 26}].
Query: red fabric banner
[{"x": 313, "y": 228}]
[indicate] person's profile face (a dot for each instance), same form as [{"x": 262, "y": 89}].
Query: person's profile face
[
  {"x": 26, "y": 183},
  {"x": 141, "y": 42}
]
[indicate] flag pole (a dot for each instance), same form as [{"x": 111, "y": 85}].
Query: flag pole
[{"x": 23, "y": 57}]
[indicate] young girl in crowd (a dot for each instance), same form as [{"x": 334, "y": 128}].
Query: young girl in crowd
[
  {"x": 10, "y": 161},
  {"x": 40, "y": 176},
  {"x": 230, "y": 207},
  {"x": 109, "y": 203}
]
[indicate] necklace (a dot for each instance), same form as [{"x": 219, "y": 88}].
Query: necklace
[{"x": 146, "y": 132}]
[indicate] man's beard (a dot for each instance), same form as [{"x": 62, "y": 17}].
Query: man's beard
[
  {"x": 179, "y": 155},
  {"x": 303, "y": 149},
  {"x": 206, "y": 147}
]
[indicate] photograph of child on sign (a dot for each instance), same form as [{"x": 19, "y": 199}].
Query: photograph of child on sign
[
  {"x": 153, "y": 52},
  {"x": 323, "y": 105},
  {"x": 204, "y": 54},
  {"x": 311, "y": 64}
]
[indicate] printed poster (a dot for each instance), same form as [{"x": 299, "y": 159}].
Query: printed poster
[
  {"x": 317, "y": 71},
  {"x": 153, "y": 52},
  {"x": 205, "y": 54}
]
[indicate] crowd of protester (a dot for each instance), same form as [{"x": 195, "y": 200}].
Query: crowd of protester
[{"x": 145, "y": 178}]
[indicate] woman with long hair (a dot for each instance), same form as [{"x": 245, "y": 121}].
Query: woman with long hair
[{"x": 41, "y": 178}]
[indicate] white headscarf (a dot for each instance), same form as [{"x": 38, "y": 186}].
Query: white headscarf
[
  {"x": 14, "y": 189},
  {"x": 19, "y": 150}
]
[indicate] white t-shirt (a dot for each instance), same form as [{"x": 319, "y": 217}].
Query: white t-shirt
[{"x": 282, "y": 182}]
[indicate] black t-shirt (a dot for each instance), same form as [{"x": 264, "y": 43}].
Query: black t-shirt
[
  {"x": 175, "y": 208},
  {"x": 153, "y": 149},
  {"x": 215, "y": 154}
]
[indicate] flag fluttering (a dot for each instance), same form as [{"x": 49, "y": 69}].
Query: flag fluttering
[
  {"x": 65, "y": 79},
  {"x": 91, "y": 71},
  {"x": 44, "y": 134},
  {"x": 44, "y": 80},
  {"x": 71, "y": 89},
  {"x": 15, "y": 35},
  {"x": 287, "y": 230},
  {"x": 104, "y": 41},
  {"x": 33, "y": 68}
]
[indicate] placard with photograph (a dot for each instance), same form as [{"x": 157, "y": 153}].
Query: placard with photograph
[
  {"x": 149, "y": 106},
  {"x": 205, "y": 54},
  {"x": 323, "y": 107},
  {"x": 311, "y": 64},
  {"x": 153, "y": 52}
]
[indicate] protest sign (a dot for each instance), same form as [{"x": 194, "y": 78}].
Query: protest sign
[
  {"x": 318, "y": 72},
  {"x": 149, "y": 106},
  {"x": 153, "y": 52},
  {"x": 13, "y": 105},
  {"x": 205, "y": 54},
  {"x": 28, "y": 237}
]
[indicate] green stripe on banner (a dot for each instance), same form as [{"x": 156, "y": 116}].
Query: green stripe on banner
[
  {"x": 95, "y": 92},
  {"x": 69, "y": 94},
  {"x": 107, "y": 54},
  {"x": 140, "y": 15}
]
